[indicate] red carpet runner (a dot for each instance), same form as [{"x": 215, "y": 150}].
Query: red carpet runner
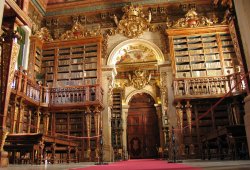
[{"x": 141, "y": 164}]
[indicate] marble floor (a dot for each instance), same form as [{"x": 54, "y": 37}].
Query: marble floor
[{"x": 204, "y": 164}]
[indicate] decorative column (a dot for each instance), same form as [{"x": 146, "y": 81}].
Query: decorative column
[
  {"x": 29, "y": 121},
  {"x": 37, "y": 120},
  {"x": 189, "y": 116},
  {"x": 53, "y": 123},
  {"x": 40, "y": 152},
  {"x": 124, "y": 127},
  {"x": 20, "y": 117},
  {"x": 168, "y": 111},
  {"x": 108, "y": 75},
  {"x": 45, "y": 122},
  {"x": 179, "y": 113},
  {"x": 9, "y": 52},
  {"x": 179, "y": 131},
  {"x": 188, "y": 107},
  {"x": 97, "y": 131},
  {"x": 88, "y": 123},
  {"x": 14, "y": 111}
]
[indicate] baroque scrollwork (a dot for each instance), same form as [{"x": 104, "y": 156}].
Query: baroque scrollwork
[
  {"x": 164, "y": 89},
  {"x": 111, "y": 85},
  {"x": 139, "y": 79},
  {"x": 133, "y": 22},
  {"x": 179, "y": 113},
  {"x": 107, "y": 33},
  {"x": 44, "y": 35},
  {"x": 192, "y": 20},
  {"x": 79, "y": 31},
  {"x": 188, "y": 107}
]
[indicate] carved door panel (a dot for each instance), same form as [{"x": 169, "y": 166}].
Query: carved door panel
[{"x": 142, "y": 129}]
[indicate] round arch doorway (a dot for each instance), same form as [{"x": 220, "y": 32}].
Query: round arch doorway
[{"x": 142, "y": 127}]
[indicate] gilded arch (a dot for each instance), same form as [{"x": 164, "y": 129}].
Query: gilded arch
[{"x": 148, "y": 46}]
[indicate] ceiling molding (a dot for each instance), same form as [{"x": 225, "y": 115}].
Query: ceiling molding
[{"x": 72, "y": 8}]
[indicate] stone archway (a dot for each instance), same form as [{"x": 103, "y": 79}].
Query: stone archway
[{"x": 148, "y": 52}]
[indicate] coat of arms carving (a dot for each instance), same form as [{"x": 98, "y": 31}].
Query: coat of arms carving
[{"x": 134, "y": 22}]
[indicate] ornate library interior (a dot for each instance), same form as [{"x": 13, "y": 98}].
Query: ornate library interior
[{"x": 102, "y": 81}]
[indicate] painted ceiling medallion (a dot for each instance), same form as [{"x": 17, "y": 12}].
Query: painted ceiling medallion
[
  {"x": 192, "y": 20},
  {"x": 133, "y": 22}
]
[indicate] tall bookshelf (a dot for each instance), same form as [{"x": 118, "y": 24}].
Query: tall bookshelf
[
  {"x": 72, "y": 63},
  {"x": 35, "y": 57},
  {"x": 202, "y": 52},
  {"x": 116, "y": 120}
]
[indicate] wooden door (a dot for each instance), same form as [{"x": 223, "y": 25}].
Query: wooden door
[{"x": 142, "y": 127}]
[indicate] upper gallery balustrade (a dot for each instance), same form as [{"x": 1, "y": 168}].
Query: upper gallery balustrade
[
  {"x": 205, "y": 87},
  {"x": 34, "y": 92}
]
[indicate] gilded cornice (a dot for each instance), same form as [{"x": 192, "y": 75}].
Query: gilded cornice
[
  {"x": 79, "y": 31},
  {"x": 192, "y": 20}
]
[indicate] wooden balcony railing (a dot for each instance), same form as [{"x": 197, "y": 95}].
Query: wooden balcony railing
[
  {"x": 22, "y": 85},
  {"x": 210, "y": 86}
]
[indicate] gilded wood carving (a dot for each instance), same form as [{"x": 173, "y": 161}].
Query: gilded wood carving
[
  {"x": 133, "y": 22},
  {"x": 79, "y": 31},
  {"x": 44, "y": 35},
  {"x": 192, "y": 20}
]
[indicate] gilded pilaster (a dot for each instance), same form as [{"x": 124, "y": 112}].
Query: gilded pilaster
[
  {"x": 37, "y": 120},
  {"x": 45, "y": 122},
  {"x": 88, "y": 123},
  {"x": 179, "y": 113},
  {"x": 188, "y": 107},
  {"x": 10, "y": 53},
  {"x": 14, "y": 113},
  {"x": 124, "y": 127},
  {"x": 97, "y": 130},
  {"x": 20, "y": 117},
  {"x": 29, "y": 120}
]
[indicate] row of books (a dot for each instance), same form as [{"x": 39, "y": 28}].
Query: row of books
[
  {"x": 228, "y": 49},
  {"x": 202, "y": 66},
  {"x": 183, "y": 74},
  {"x": 61, "y": 69},
  {"x": 199, "y": 73},
  {"x": 80, "y": 82},
  {"x": 193, "y": 39},
  {"x": 90, "y": 66}
]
